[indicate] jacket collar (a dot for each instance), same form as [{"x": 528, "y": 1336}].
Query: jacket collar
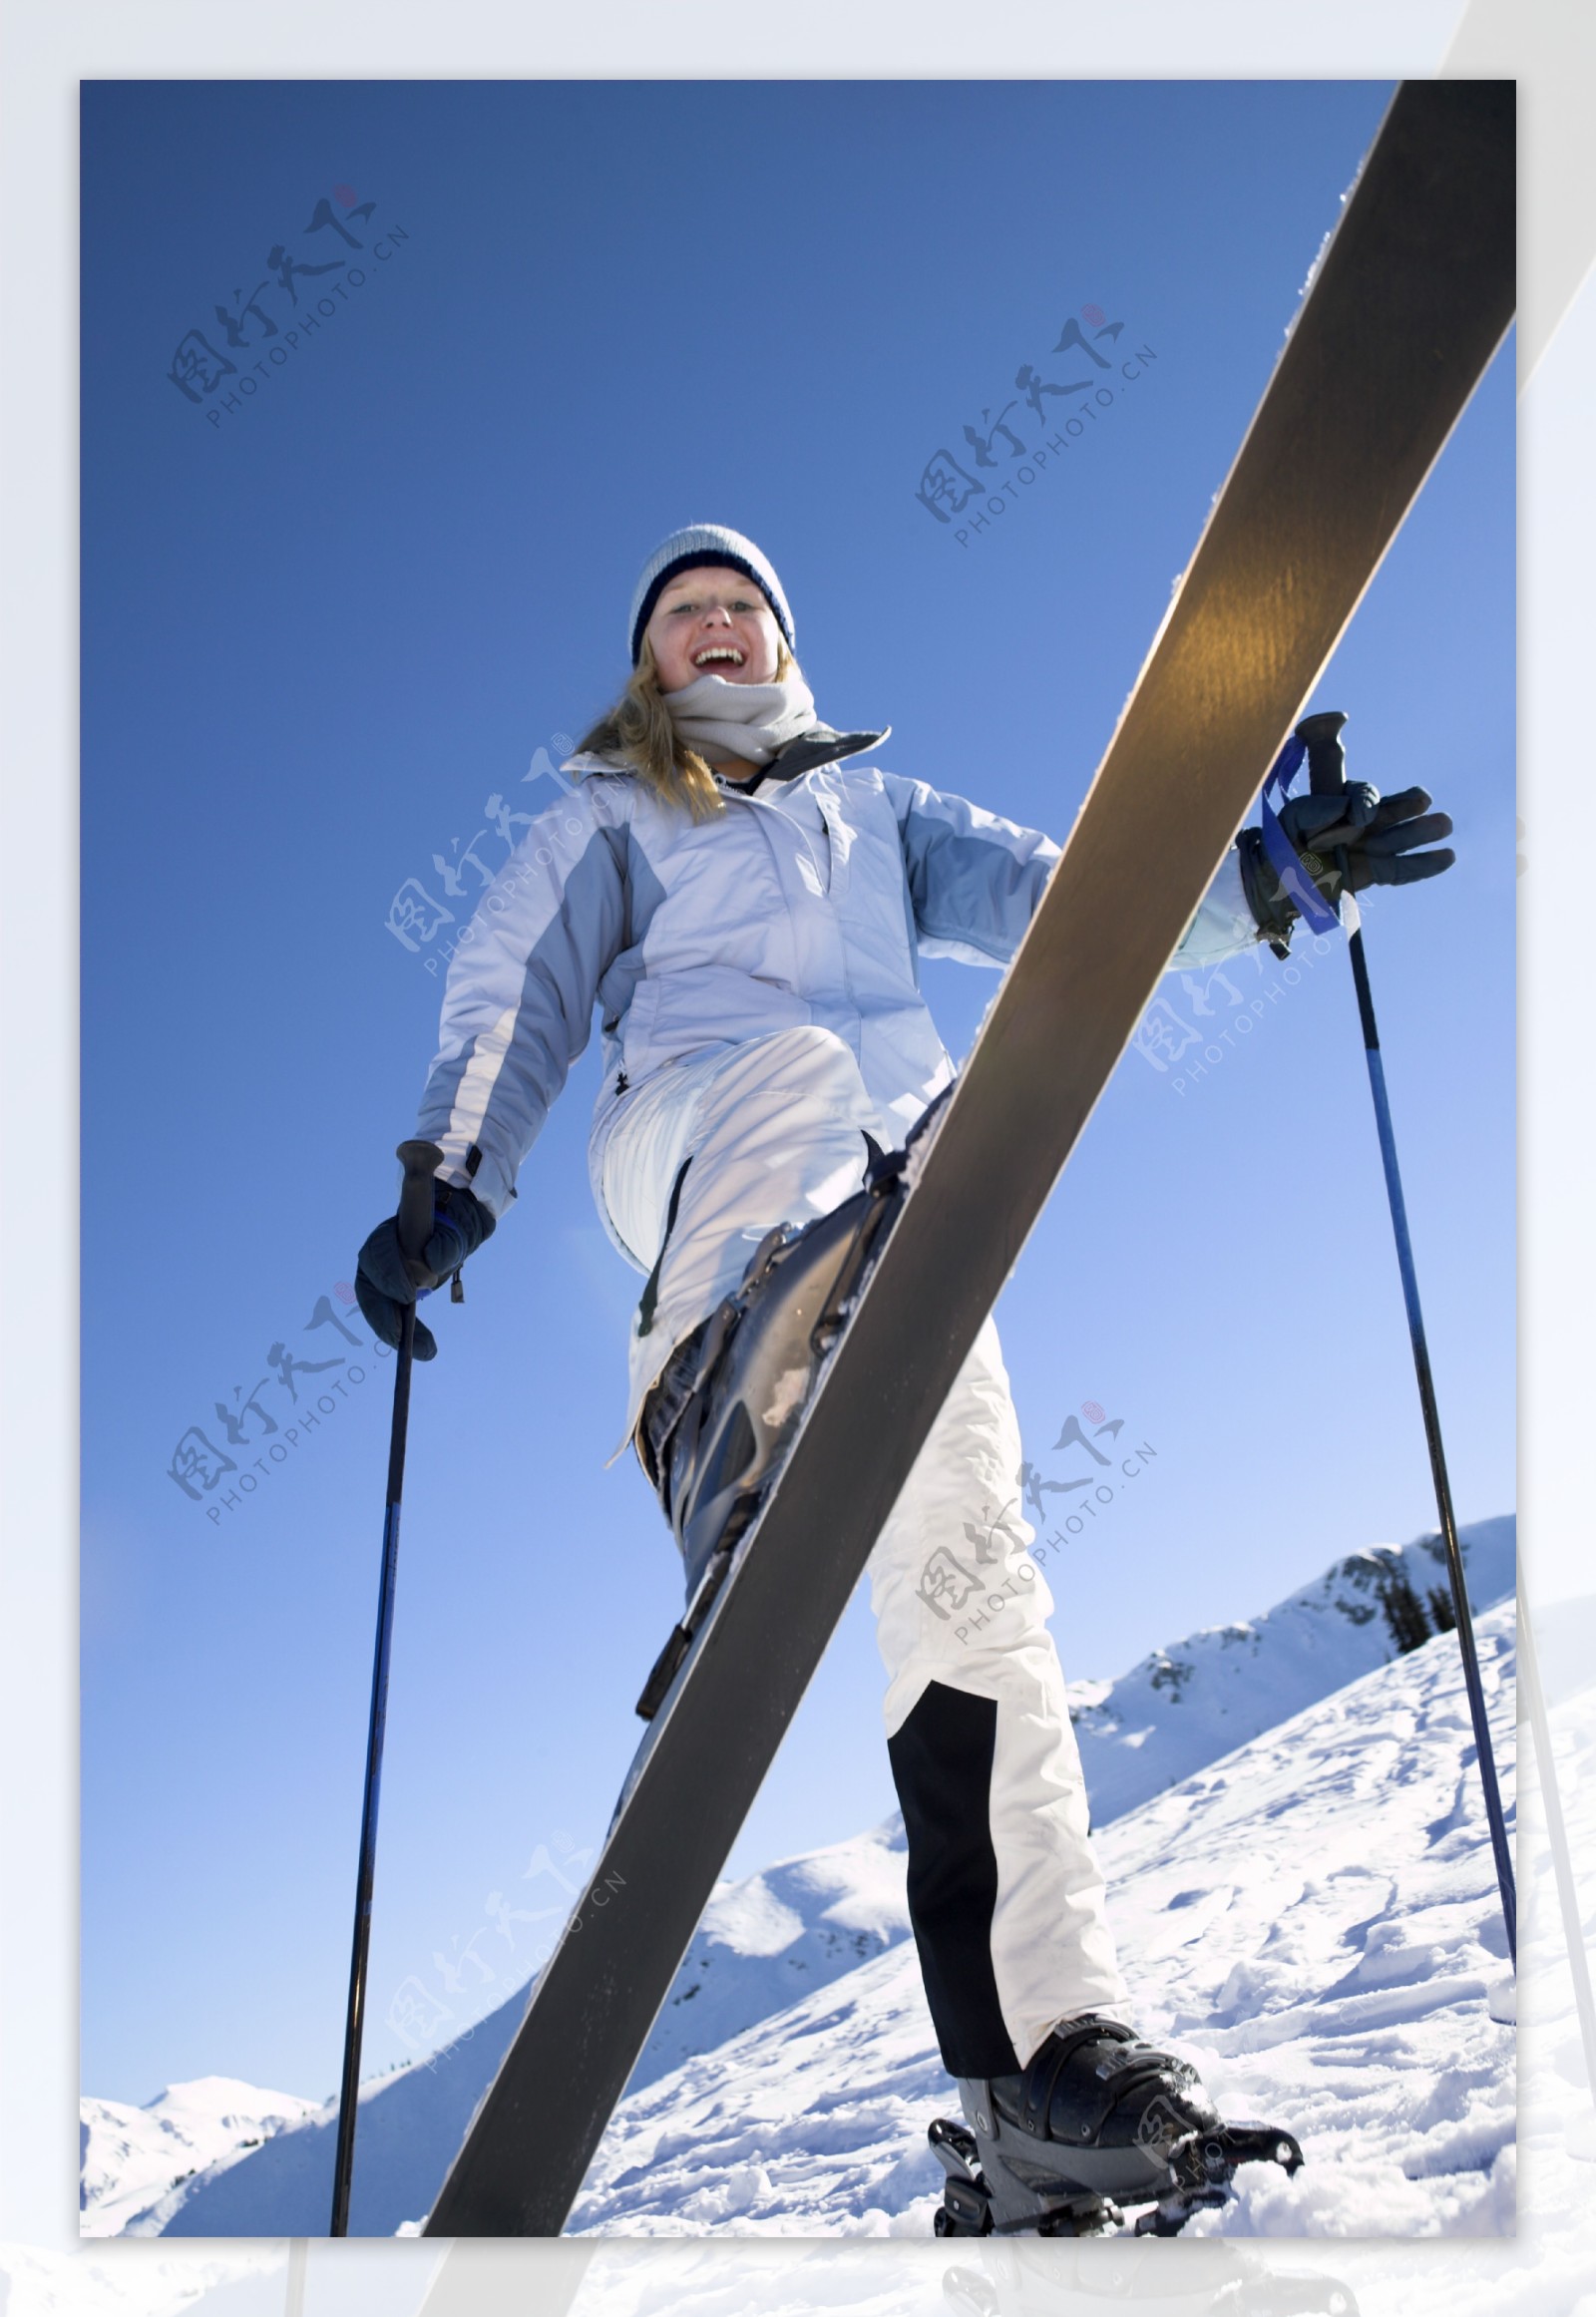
[{"x": 819, "y": 746}]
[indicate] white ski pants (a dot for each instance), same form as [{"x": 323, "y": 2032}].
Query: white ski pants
[{"x": 1006, "y": 1895}]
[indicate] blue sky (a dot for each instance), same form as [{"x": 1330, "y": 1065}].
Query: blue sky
[{"x": 322, "y": 632}]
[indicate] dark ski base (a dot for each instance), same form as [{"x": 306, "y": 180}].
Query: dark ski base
[{"x": 1411, "y": 300}]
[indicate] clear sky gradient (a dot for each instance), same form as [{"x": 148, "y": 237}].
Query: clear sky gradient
[{"x": 323, "y": 628}]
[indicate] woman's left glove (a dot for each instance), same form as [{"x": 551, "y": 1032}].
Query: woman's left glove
[
  {"x": 386, "y": 1279},
  {"x": 1381, "y": 841}
]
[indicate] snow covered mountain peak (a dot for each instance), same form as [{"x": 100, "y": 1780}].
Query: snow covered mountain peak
[
  {"x": 135, "y": 2160},
  {"x": 768, "y": 1941}
]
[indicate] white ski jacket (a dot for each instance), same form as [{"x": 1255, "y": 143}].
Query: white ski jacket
[{"x": 810, "y": 900}]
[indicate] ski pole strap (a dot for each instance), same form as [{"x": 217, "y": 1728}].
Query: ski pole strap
[{"x": 1317, "y": 911}]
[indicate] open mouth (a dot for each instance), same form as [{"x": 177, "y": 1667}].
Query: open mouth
[{"x": 715, "y": 653}]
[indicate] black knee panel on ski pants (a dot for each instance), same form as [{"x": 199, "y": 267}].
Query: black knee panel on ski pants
[{"x": 942, "y": 1761}]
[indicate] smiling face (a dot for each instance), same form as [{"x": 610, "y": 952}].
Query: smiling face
[{"x": 713, "y": 621}]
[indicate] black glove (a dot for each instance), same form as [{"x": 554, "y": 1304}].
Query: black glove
[
  {"x": 1379, "y": 838},
  {"x": 386, "y": 1279}
]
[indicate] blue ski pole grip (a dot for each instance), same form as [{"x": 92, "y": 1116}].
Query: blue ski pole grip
[
  {"x": 1326, "y": 759},
  {"x": 421, "y": 1161}
]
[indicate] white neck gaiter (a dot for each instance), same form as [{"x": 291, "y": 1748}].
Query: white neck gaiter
[{"x": 753, "y": 721}]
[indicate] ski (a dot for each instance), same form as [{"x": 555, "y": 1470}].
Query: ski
[{"x": 1409, "y": 301}]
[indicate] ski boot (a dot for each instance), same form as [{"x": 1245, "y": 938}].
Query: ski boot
[
  {"x": 1097, "y": 2121},
  {"x": 716, "y": 1427}
]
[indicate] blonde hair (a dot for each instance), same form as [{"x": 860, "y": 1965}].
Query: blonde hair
[{"x": 638, "y": 731}]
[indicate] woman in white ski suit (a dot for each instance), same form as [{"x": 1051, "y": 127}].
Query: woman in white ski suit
[{"x": 757, "y": 977}]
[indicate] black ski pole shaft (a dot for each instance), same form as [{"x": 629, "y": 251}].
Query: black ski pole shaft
[
  {"x": 1327, "y": 768},
  {"x": 420, "y": 1161}
]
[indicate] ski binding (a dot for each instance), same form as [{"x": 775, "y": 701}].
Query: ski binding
[{"x": 996, "y": 2187}]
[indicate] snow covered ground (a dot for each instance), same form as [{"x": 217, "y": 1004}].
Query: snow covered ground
[
  {"x": 1313, "y": 1919},
  {"x": 1549, "y": 2271},
  {"x": 799, "y": 1927}
]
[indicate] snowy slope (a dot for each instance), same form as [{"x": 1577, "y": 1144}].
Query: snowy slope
[
  {"x": 1549, "y": 2270},
  {"x": 1190, "y": 1702},
  {"x": 133, "y": 2158},
  {"x": 1313, "y": 1919},
  {"x": 798, "y": 1926}
]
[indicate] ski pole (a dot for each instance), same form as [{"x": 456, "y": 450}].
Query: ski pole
[
  {"x": 420, "y": 1161},
  {"x": 1327, "y": 772}
]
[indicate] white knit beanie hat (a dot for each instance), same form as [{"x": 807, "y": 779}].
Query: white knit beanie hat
[{"x": 699, "y": 544}]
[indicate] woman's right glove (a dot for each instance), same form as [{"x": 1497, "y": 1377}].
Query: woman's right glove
[{"x": 386, "y": 1279}]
